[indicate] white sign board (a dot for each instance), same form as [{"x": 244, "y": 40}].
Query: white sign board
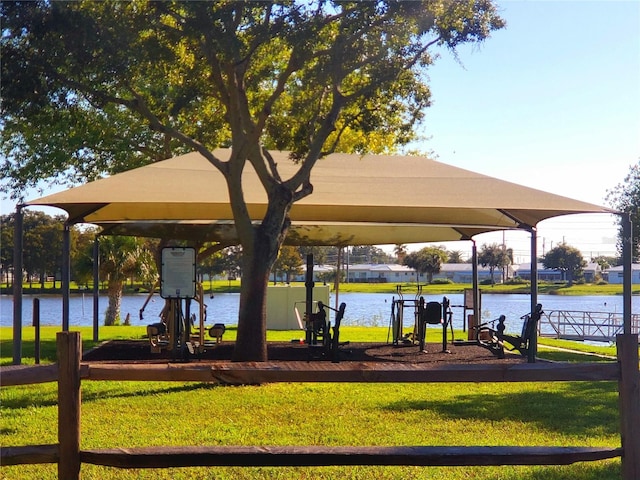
[{"x": 178, "y": 276}]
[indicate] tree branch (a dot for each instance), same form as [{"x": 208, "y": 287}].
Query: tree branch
[{"x": 302, "y": 176}]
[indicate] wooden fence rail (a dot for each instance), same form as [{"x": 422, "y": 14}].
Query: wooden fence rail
[
  {"x": 312, "y": 456},
  {"x": 69, "y": 372},
  {"x": 323, "y": 372}
]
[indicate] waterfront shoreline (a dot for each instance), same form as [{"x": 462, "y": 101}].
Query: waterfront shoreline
[{"x": 387, "y": 288}]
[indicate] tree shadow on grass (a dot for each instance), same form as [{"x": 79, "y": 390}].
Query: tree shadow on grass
[{"x": 574, "y": 408}]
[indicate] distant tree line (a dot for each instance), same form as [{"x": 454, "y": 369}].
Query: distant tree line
[{"x": 42, "y": 256}]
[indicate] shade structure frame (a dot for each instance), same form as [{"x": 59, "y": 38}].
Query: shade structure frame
[{"x": 356, "y": 200}]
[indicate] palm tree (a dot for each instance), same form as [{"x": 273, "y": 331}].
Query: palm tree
[
  {"x": 426, "y": 260},
  {"x": 494, "y": 256},
  {"x": 122, "y": 258},
  {"x": 455, "y": 256},
  {"x": 400, "y": 251}
]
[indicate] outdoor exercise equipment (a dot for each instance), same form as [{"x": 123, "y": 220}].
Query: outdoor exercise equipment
[
  {"x": 491, "y": 335},
  {"x": 174, "y": 333},
  {"x": 434, "y": 313},
  {"x": 396, "y": 320},
  {"x": 326, "y": 339},
  {"x": 429, "y": 313}
]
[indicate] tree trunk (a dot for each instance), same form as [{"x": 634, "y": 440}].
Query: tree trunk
[
  {"x": 260, "y": 251},
  {"x": 251, "y": 341},
  {"x": 114, "y": 293}
]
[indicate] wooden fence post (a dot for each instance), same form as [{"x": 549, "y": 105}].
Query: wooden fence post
[
  {"x": 69, "y": 353},
  {"x": 629, "y": 402}
]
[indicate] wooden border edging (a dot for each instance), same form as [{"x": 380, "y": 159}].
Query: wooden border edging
[
  {"x": 255, "y": 373},
  {"x": 315, "y": 456}
]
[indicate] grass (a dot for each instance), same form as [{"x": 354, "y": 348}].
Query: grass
[
  {"x": 128, "y": 414},
  {"x": 565, "y": 350}
]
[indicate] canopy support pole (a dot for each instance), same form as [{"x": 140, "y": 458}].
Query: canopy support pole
[
  {"x": 627, "y": 262},
  {"x": 66, "y": 275},
  {"x": 338, "y": 272},
  {"x": 309, "y": 298},
  {"x": 476, "y": 289},
  {"x": 17, "y": 284},
  {"x": 96, "y": 286},
  {"x": 533, "y": 342}
]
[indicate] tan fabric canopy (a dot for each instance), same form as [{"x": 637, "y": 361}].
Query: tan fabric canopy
[{"x": 357, "y": 200}]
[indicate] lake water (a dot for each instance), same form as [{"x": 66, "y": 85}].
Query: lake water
[{"x": 363, "y": 309}]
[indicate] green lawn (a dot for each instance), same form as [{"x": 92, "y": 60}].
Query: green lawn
[{"x": 128, "y": 414}]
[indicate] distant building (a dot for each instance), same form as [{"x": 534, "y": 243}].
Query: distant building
[
  {"x": 379, "y": 273},
  {"x": 459, "y": 273},
  {"x": 591, "y": 272},
  {"x": 523, "y": 271},
  {"x": 615, "y": 274},
  {"x": 395, "y": 273},
  {"x": 319, "y": 271},
  {"x": 463, "y": 273}
]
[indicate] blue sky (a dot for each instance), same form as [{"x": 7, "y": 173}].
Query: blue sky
[{"x": 552, "y": 101}]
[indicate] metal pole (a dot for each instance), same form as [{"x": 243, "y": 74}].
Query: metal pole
[
  {"x": 337, "y": 281},
  {"x": 17, "y": 285},
  {"x": 96, "y": 286},
  {"x": 627, "y": 262},
  {"x": 36, "y": 324},
  {"x": 476, "y": 290},
  {"x": 533, "y": 342},
  {"x": 309, "y": 298},
  {"x": 66, "y": 275}
]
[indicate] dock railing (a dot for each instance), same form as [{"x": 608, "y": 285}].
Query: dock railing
[
  {"x": 582, "y": 325},
  {"x": 70, "y": 373}
]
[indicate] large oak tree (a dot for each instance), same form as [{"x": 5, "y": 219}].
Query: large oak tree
[
  {"x": 566, "y": 259},
  {"x": 100, "y": 87}
]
